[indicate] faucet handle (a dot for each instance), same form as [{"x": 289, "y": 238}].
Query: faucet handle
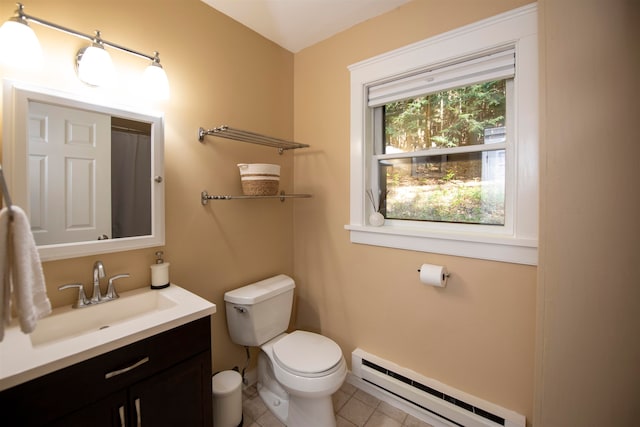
[
  {"x": 82, "y": 297},
  {"x": 111, "y": 289}
]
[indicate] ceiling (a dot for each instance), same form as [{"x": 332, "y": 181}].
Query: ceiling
[{"x": 296, "y": 24}]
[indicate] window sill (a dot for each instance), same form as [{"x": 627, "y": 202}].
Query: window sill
[{"x": 494, "y": 248}]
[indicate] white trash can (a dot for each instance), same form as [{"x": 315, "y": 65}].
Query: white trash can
[{"x": 227, "y": 399}]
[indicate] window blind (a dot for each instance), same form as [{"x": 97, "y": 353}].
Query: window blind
[{"x": 487, "y": 67}]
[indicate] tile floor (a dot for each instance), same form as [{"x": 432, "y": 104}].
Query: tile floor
[{"x": 353, "y": 407}]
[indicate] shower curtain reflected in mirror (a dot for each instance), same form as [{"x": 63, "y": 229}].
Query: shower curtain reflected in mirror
[{"x": 130, "y": 204}]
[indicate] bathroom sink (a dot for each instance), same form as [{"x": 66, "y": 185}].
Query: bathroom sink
[
  {"x": 72, "y": 335},
  {"x": 69, "y": 323}
]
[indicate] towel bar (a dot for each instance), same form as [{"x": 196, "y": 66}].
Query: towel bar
[
  {"x": 252, "y": 137},
  {"x": 205, "y": 197}
]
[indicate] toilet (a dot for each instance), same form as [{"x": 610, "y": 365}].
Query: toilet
[{"x": 298, "y": 371}]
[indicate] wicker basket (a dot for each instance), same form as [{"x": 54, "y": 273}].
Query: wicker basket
[
  {"x": 259, "y": 179},
  {"x": 260, "y": 187}
]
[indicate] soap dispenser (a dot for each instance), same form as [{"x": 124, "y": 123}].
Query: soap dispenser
[{"x": 159, "y": 273}]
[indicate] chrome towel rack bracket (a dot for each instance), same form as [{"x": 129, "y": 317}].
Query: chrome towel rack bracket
[{"x": 251, "y": 137}]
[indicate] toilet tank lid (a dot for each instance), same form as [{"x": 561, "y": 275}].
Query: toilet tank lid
[{"x": 260, "y": 291}]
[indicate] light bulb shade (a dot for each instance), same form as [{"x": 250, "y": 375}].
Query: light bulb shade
[
  {"x": 95, "y": 67},
  {"x": 155, "y": 82},
  {"x": 19, "y": 46}
]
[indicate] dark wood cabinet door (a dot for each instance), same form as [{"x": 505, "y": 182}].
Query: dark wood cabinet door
[
  {"x": 179, "y": 396},
  {"x": 108, "y": 412}
]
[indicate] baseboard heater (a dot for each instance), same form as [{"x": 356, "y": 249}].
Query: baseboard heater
[{"x": 452, "y": 406}]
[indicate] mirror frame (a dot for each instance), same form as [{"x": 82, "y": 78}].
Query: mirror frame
[{"x": 16, "y": 98}]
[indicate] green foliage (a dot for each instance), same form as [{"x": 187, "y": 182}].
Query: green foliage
[
  {"x": 451, "y": 118},
  {"x": 450, "y": 202}
]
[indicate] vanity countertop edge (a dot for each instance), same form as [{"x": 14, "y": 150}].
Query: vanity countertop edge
[{"x": 20, "y": 361}]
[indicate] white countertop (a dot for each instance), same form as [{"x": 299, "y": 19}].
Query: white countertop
[{"x": 21, "y": 360}]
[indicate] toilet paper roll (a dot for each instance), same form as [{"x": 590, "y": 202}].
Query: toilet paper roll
[{"x": 434, "y": 275}]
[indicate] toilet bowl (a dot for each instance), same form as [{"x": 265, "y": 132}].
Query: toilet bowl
[
  {"x": 298, "y": 371},
  {"x": 310, "y": 368}
]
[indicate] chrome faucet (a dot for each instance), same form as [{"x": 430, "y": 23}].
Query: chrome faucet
[
  {"x": 97, "y": 297},
  {"x": 98, "y": 273}
]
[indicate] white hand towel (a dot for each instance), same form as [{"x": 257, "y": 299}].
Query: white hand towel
[{"x": 20, "y": 272}]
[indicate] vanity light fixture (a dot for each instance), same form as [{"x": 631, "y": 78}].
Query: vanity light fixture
[
  {"x": 93, "y": 63},
  {"x": 155, "y": 79},
  {"x": 19, "y": 45}
]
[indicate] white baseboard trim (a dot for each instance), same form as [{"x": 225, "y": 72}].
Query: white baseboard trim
[{"x": 395, "y": 401}]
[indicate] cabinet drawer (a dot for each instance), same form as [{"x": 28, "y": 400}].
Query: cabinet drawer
[
  {"x": 116, "y": 369},
  {"x": 44, "y": 399}
]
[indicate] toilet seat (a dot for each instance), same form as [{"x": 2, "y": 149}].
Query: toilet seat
[{"x": 307, "y": 354}]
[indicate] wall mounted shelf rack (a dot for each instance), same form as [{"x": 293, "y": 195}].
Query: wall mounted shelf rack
[
  {"x": 205, "y": 197},
  {"x": 251, "y": 137}
]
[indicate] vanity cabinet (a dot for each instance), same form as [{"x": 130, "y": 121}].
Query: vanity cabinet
[{"x": 164, "y": 380}]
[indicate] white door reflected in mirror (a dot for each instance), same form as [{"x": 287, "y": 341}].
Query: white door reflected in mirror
[{"x": 69, "y": 174}]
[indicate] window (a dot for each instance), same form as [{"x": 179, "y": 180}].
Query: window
[
  {"x": 444, "y": 143},
  {"x": 442, "y": 156}
]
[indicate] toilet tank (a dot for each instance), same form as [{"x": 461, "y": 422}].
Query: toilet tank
[{"x": 259, "y": 311}]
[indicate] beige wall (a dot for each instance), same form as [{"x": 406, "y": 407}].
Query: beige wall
[
  {"x": 587, "y": 371},
  {"x": 478, "y": 333},
  {"x": 220, "y": 73}
]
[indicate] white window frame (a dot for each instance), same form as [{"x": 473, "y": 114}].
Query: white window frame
[{"x": 517, "y": 241}]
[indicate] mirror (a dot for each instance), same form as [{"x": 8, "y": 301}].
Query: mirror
[{"x": 89, "y": 175}]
